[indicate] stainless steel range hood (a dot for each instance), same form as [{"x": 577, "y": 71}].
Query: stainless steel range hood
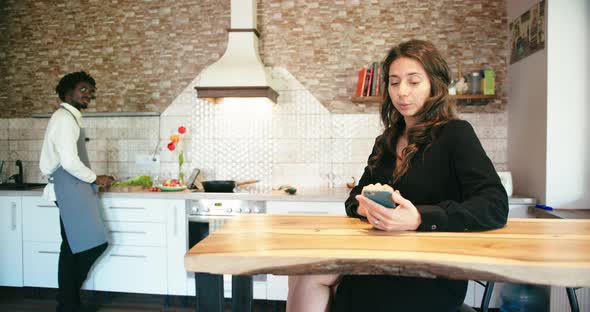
[{"x": 240, "y": 71}]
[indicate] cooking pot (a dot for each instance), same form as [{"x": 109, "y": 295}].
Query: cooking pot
[{"x": 224, "y": 186}]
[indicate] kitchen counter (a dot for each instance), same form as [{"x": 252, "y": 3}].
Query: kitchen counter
[
  {"x": 560, "y": 213},
  {"x": 305, "y": 194}
]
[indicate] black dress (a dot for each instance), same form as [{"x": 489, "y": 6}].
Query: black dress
[{"x": 455, "y": 187}]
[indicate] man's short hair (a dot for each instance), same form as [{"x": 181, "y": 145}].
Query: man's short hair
[{"x": 69, "y": 82}]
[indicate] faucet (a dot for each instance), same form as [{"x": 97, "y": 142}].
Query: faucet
[{"x": 18, "y": 178}]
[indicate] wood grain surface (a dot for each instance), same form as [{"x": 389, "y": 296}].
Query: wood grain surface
[{"x": 537, "y": 251}]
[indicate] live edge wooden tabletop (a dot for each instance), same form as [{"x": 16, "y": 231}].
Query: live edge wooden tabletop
[{"x": 537, "y": 251}]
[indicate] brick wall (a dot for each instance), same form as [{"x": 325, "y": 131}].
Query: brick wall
[{"x": 144, "y": 53}]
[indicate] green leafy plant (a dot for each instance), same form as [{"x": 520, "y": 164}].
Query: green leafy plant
[{"x": 135, "y": 181}]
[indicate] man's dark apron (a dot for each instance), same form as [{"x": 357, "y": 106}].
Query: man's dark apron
[{"x": 79, "y": 205}]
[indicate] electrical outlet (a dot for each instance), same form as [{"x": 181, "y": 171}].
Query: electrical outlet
[{"x": 147, "y": 160}]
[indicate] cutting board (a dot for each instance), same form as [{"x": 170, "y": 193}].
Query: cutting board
[{"x": 125, "y": 189}]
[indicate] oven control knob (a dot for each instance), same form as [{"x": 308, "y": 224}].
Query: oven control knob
[
  {"x": 239, "y": 210},
  {"x": 256, "y": 210},
  {"x": 195, "y": 209},
  {"x": 205, "y": 209},
  {"x": 228, "y": 210},
  {"x": 246, "y": 210}
]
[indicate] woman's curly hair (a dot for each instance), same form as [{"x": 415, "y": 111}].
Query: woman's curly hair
[
  {"x": 69, "y": 82},
  {"x": 436, "y": 112}
]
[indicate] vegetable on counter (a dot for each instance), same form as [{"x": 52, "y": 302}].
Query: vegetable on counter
[
  {"x": 288, "y": 189},
  {"x": 135, "y": 181}
]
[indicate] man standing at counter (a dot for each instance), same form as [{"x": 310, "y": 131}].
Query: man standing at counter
[{"x": 73, "y": 187}]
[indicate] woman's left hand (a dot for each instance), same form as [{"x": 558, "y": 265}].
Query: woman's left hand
[{"x": 405, "y": 216}]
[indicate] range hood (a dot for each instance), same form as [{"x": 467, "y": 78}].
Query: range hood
[{"x": 240, "y": 71}]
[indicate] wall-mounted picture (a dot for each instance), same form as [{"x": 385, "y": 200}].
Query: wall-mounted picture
[{"x": 527, "y": 34}]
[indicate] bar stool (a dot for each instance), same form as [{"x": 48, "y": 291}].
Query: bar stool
[
  {"x": 485, "y": 301},
  {"x": 573, "y": 298},
  {"x": 489, "y": 287}
]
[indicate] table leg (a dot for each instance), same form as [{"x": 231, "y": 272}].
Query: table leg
[
  {"x": 242, "y": 291},
  {"x": 209, "y": 292}
]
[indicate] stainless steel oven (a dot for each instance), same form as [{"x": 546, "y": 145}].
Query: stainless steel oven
[{"x": 206, "y": 215}]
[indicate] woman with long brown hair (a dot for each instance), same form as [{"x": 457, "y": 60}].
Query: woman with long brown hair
[{"x": 443, "y": 181}]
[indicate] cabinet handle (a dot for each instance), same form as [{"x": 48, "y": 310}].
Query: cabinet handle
[
  {"x": 130, "y": 232},
  {"x": 13, "y": 215},
  {"x": 175, "y": 220},
  {"x": 307, "y": 212},
  {"x": 128, "y": 256},
  {"x": 48, "y": 252},
  {"x": 127, "y": 208},
  {"x": 47, "y": 206}
]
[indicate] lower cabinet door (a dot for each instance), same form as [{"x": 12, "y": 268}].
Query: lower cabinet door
[
  {"x": 40, "y": 261},
  {"x": 277, "y": 287},
  {"x": 258, "y": 286},
  {"x": 131, "y": 269}
]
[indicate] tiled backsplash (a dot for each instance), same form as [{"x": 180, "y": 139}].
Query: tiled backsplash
[{"x": 297, "y": 141}]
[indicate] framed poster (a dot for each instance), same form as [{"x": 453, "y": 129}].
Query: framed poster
[{"x": 527, "y": 33}]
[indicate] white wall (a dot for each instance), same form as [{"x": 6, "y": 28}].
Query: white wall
[
  {"x": 527, "y": 116},
  {"x": 568, "y": 78},
  {"x": 548, "y": 150}
]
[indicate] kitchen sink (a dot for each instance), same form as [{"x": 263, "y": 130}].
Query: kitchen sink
[{"x": 20, "y": 186}]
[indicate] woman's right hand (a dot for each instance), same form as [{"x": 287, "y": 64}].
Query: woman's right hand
[{"x": 404, "y": 217}]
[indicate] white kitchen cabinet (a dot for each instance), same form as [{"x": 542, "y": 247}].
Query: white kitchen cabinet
[
  {"x": 40, "y": 220},
  {"x": 277, "y": 287},
  {"x": 137, "y": 256},
  {"x": 40, "y": 263},
  {"x": 41, "y": 243},
  {"x": 135, "y": 209},
  {"x": 302, "y": 207},
  {"x": 136, "y": 233},
  {"x": 11, "y": 245},
  {"x": 179, "y": 281},
  {"x": 131, "y": 269}
]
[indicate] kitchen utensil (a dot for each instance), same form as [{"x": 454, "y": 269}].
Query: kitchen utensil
[
  {"x": 474, "y": 81},
  {"x": 190, "y": 183},
  {"x": 224, "y": 186}
]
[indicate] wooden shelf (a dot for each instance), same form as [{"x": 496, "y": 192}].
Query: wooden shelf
[
  {"x": 473, "y": 97},
  {"x": 378, "y": 99}
]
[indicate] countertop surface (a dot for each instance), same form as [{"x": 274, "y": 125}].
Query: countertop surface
[
  {"x": 561, "y": 213},
  {"x": 303, "y": 194}
]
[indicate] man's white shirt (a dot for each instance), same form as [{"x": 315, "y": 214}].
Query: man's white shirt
[{"x": 60, "y": 148}]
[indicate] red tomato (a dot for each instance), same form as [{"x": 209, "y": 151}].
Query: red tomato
[
  {"x": 171, "y": 146},
  {"x": 181, "y": 129}
]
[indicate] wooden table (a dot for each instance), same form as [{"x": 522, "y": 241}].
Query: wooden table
[{"x": 535, "y": 251}]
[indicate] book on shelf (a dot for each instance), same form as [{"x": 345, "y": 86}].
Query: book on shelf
[
  {"x": 360, "y": 84},
  {"x": 374, "y": 78},
  {"x": 369, "y": 81}
]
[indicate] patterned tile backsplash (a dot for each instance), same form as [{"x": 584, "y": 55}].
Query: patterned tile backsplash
[{"x": 296, "y": 142}]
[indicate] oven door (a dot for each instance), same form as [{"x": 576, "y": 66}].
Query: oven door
[{"x": 199, "y": 227}]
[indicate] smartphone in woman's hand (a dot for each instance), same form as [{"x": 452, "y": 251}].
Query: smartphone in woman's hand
[{"x": 381, "y": 197}]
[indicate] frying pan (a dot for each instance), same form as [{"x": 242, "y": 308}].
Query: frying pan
[{"x": 224, "y": 186}]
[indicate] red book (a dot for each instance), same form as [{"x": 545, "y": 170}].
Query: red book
[{"x": 360, "y": 84}]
